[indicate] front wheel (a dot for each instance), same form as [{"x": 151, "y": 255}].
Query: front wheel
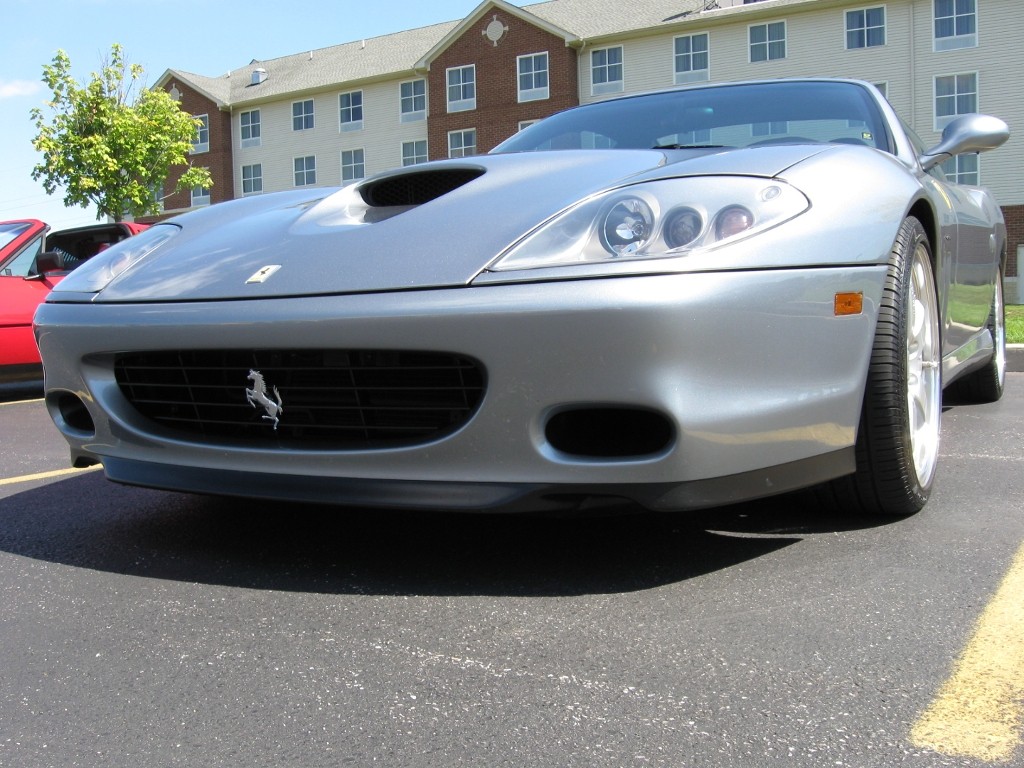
[{"x": 898, "y": 436}]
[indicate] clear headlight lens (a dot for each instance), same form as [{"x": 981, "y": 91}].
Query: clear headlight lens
[
  {"x": 656, "y": 220},
  {"x": 97, "y": 273}
]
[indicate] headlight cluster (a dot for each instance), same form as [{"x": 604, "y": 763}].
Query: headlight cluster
[
  {"x": 98, "y": 272},
  {"x": 656, "y": 220}
]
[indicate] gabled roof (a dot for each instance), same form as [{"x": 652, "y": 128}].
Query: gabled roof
[
  {"x": 408, "y": 53},
  {"x": 488, "y": 6},
  {"x": 600, "y": 18}
]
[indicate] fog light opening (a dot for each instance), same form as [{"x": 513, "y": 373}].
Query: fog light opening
[
  {"x": 609, "y": 432},
  {"x": 74, "y": 413}
]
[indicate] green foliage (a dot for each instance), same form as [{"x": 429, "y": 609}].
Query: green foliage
[
  {"x": 1015, "y": 324},
  {"x": 112, "y": 142}
]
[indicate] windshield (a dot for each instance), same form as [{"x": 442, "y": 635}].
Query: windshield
[
  {"x": 739, "y": 115},
  {"x": 11, "y": 229}
]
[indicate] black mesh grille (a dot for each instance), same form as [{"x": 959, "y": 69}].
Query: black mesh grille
[
  {"x": 328, "y": 398},
  {"x": 416, "y": 188}
]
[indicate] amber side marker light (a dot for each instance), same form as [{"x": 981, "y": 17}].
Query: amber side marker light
[{"x": 849, "y": 304}]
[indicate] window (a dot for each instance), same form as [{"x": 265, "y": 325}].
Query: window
[
  {"x": 526, "y": 124},
  {"x": 533, "y": 76},
  {"x": 963, "y": 169},
  {"x": 252, "y": 179},
  {"x": 955, "y": 95},
  {"x": 24, "y": 264},
  {"x": 691, "y": 58},
  {"x": 414, "y": 152},
  {"x": 767, "y": 130},
  {"x": 462, "y": 88},
  {"x": 302, "y": 115},
  {"x": 250, "y": 122},
  {"x": 200, "y": 196},
  {"x": 352, "y": 167},
  {"x": 606, "y": 70},
  {"x": 865, "y": 28},
  {"x": 956, "y": 24},
  {"x": 305, "y": 171},
  {"x": 350, "y": 106},
  {"x": 202, "y": 140},
  {"x": 414, "y": 101},
  {"x": 462, "y": 143},
  {"x": 696, "y": 138},
  {"x": 768, "y": 41}
]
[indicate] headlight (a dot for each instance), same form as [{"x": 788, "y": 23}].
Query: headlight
[
  {"x": 656, "y": 220},
  {"x": 97, "y": 273}
]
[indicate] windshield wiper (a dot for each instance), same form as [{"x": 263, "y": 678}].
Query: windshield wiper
[{"x": 689, "y": 146}]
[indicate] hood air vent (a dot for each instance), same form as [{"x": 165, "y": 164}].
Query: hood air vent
[{"x": 416, "y": 188}]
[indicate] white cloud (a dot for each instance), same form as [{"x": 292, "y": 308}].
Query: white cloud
[{"x": 11, "y": 89}]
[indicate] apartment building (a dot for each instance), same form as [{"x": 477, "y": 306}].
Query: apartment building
[{"x": 331, "y": 116}]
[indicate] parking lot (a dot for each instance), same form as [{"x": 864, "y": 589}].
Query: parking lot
[{"x": 150, "y": 628}]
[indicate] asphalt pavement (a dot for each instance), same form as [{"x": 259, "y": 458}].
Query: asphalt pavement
[{"x": 142, "y": 628}]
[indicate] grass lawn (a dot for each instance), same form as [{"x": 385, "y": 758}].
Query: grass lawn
[{"x": 1014, "y": 324}]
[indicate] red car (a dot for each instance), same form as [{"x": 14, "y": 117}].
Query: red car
[{"x": 32, "y": 261}]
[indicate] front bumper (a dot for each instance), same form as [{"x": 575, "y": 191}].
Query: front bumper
[{"x": 759, "y": 381}]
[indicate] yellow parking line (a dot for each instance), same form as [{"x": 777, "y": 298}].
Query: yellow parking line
[
  {"x": 45, "y": 475},
  {"x": 22, "y": 402},
  {"x": 978, "y": 712}
]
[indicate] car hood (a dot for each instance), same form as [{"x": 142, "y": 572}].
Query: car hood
[{"x": 436, "y": 225}]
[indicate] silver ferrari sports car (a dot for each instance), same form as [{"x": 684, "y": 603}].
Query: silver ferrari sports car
[{"x": 677, "y": 299}]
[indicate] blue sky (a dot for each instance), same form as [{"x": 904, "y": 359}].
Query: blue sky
[{"x": 209, "y": 37}]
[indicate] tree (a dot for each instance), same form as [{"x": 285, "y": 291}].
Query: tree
[{"x": 112, "y": 141}]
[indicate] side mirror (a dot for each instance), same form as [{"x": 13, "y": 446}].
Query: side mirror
[
  {"x": 967, "y": 133},
  {"x": 49, "y": 261}
]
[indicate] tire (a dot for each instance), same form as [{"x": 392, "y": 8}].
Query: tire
[
  {"x": 985, "y": 385},
  {"x": 898, "y": 437}
]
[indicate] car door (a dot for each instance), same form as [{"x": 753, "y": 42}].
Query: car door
[
  {"x": 20, "y": 293},
  {"x": 976, "y": 262}
]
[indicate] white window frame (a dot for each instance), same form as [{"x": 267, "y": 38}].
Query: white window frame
[
  {"x": 941, "y": 121},
  {"x": 466, "y": 89},
  {"x": 952, "y": 169},
  {"x": 866, "y": 28},
  {"x": 255, "y": 178},
  {"x": 304, "y": 115},
  {"x": 306, "y": 169},
  {"x": 607, "y": 85},
  {"x": 524, "y": 124},
  {"x": 767, "y": 42},
  {"x": 769, "y": 128},
  {"x": 534, "y": 92},
  {"x": 200, "y": 196},
  {"x": 353, "y": 123},
  {"x": 254, "y": 139},
  {"x": 691, "y": 74},
  {"x": 955, "y": 41},
  {"x": 354, "y": 165},
  {"x": 413, "y": 157},
  {"x": 460, "y": 151},
  {"x": 408, "y": 113},
  {"x": 202, "y": 140}
]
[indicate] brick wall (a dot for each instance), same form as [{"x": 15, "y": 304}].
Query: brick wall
[
  {"x": 217, "y": 160},
  {"x": 498, "y": 113}
]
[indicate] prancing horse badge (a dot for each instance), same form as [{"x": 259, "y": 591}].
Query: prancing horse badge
[{"x": 263, "y": 273}]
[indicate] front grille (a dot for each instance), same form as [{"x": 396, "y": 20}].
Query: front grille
[{"x": 328, "y": 398}]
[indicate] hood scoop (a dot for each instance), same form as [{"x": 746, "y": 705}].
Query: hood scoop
[{"x": 411, "y": 189}]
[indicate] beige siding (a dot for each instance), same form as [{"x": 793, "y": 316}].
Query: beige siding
[
  {"x": 816, "y": 47},
  {"x": 380, "y": 138}
]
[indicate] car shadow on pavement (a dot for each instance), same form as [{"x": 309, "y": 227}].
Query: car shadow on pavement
[{"x": 87, "y": 522}]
